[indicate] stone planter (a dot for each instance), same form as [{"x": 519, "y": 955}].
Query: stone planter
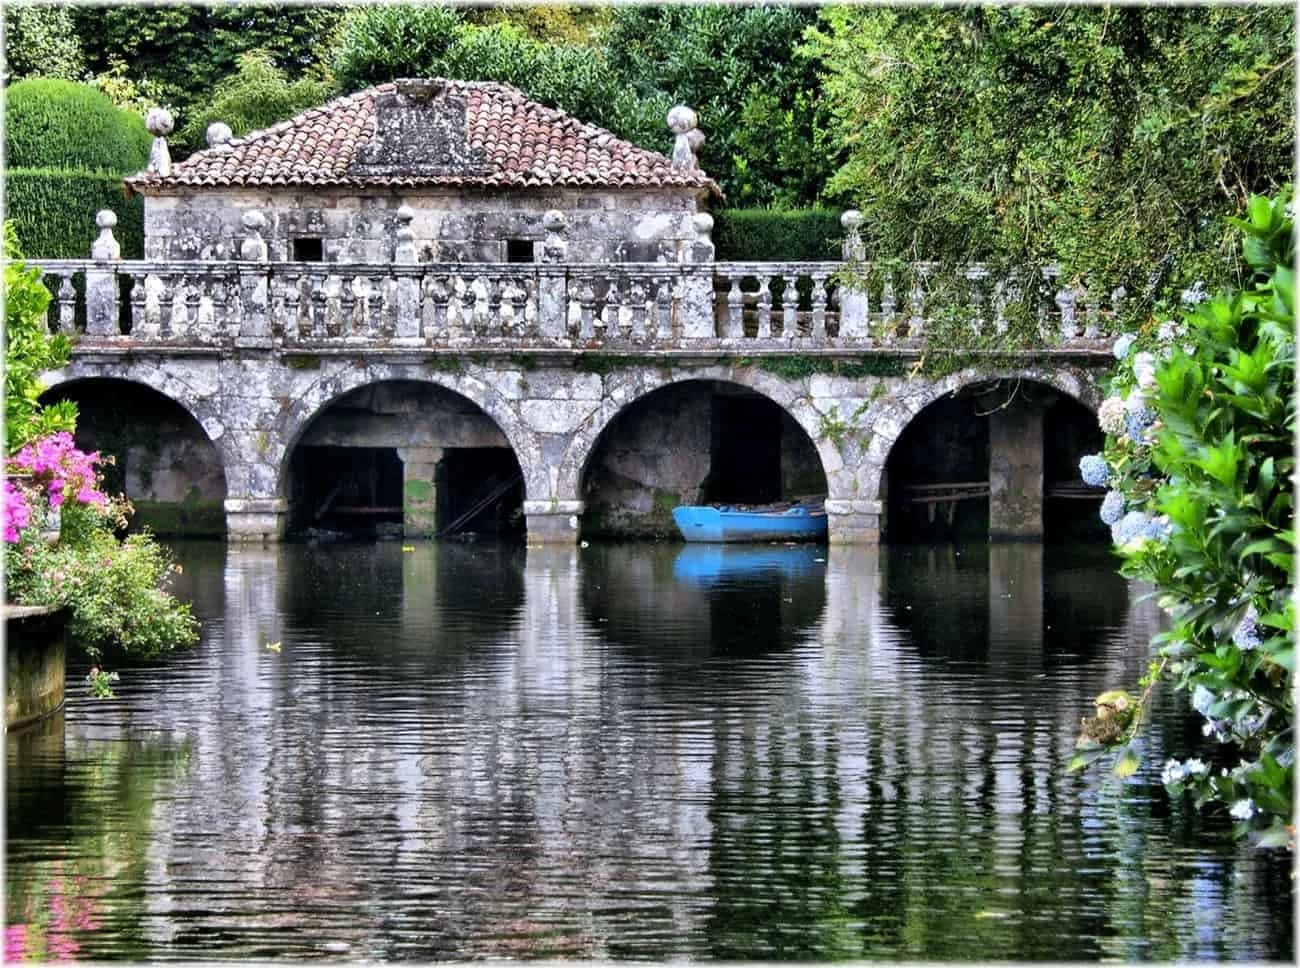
[{"x": 35, "y": 662}]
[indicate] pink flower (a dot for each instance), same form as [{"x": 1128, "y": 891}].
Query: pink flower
[{"x": 15, "y": 942}]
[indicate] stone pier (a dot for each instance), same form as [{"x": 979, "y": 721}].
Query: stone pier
[{"x": 1016, "y": 471}]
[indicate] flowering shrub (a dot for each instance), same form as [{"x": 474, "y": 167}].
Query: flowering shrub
[
  {"x": 1203, "y": 472},
  {"x": 116, "y": 591}
]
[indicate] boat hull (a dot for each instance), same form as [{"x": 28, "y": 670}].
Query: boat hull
[{"x": 712, "y": 524}]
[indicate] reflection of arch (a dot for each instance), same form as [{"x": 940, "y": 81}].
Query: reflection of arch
[
  {"x": 168, "y": 386},
  {"x": 626, "y": 388},
  {"x": 315, "y": 399},
  {"x": 894, "y": 416}
]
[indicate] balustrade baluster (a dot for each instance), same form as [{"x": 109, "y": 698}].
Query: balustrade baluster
[
  {"x": 348, "y": 309},
  {"x": 1065, "y": 301},
  {"x": 192, "y": 295},
  {"x": 139, "y": 326},
  {"x": 735, "y": 309},
  {"x": 217, "y": 299},
  {"x": 612, "y": 310},
  {"x": 586, "y": 310},
  {"x": 317, "y": 298},
  {"x": 493, "y": 323},
  {"x": 292, "y": 306},
  {"x": 638, "y": 294},
  {"x": 664, "y": 308},
  {"x": 375, "y": 307},
  {"x": 440, "y": 296},
  {"x": 166, "y": 306},
  {"x": 67, "y": 305},
  {"x": 975, "y": 276},
  {"x": 888, "y": 311},
  {"x": 764, "y": 307},
  {"x": 518, "y": 298},
  {"x": 1091, "y": 313},
  {"x": 916, "y": 305},
  {"x": 819, "y": 300},
  {"x": 1117, "y": 297},
  {"x": 790, "y": 306},
  {"x": 467, "y": 299}
]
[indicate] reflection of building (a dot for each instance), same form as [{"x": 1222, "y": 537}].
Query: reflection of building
[{"x": 535, "y": 765}]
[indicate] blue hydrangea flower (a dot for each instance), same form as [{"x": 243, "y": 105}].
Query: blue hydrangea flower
[
  {"x": 1130, "y": 527},
  {"x": 1202, "y": 699},
  {"x": 1123, "y": 345},
  {"x": 1158, "y": 529},
  {"x": 1242, "y": 809},
  {"x": 1174, "y": 772},
  {"x": 1246, "y": 636},
  {"x": 1093, "y": 470},
  {"x": 1112, "y": 507}
]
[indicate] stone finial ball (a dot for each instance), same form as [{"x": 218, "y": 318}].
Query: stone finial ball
[
  {"x": 681, "y": 119},
  {"x": 554, "y": 220},
  {"x": 405, "y": 214},
  {"x": 105, "y": 218},
  {"x": 218, "y": 133},
  {"x": 702, "y": 222},
  {"x": 851, "y": 219},
  {"x": 159, "y": 122},
  {"x": 253, "y": 220}
]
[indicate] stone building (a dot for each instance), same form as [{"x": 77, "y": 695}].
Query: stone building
[
  {"x": 478, "y": 164},
  {"x": 435, "y": 305}
]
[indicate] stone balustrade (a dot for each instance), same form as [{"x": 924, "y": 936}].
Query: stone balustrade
[{"x": 661, "y": 306}]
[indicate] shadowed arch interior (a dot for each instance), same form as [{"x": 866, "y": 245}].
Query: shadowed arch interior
[
  {"x": 694, "y": 442},
  {"x": 403, "y": 458},
  {"x": 988, "y": 458},
  {"x": 161, "y": 457}
]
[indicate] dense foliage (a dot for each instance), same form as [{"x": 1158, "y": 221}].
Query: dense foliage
[
  {"x": 42, "y": 41},
  {"x": 1200, "y": 461},
  {"x": 256, "y": 96},
  {"x": 62, "y": 124},
  {"x": 1109, "y": 139},
  {"x": 183, "y": 50},
  {"x": 760, "y": 234},
  {"x": 54, "y": 211},
  {"x": 30, "y": 350}
]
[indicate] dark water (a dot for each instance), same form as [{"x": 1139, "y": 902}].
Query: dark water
[{"x": 625, "y": 752}]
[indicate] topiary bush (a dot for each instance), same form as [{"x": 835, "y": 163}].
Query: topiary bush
[
  {"x": 51, "y": 123},
  {"x": 768, "y": 235},
  {"x": 53, "y": 212}
]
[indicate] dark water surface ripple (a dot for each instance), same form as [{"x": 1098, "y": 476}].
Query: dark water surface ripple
[{"x": 625, "y": 752}]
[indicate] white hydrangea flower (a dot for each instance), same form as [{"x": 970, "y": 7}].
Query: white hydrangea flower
[
  {"x": 1123, "y": 345},
  {"x": 1242, "y": 809},
  {"x": 1110, "y": 415},
  {"x": 1144, "y": 369}
]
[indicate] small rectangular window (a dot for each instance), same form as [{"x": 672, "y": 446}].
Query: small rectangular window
[
  {"x": 519, "y": 250},
  {"x": 308, "y": 250}
]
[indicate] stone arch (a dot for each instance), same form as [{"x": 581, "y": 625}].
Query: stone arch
[
  {"x": 625, "y": 388},
  {"x": 314, "y": 398},
  {"x": 199, "y": 405},
  {"x": 893, "y": 416}
]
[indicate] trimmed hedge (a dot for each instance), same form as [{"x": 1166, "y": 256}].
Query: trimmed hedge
[
  {"x": 54, "y": 211},
  {"x": 767, "y": 235},
  {"x": 51, "y": 123}
]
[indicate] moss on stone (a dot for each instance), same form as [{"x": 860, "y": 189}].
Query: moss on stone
[{"x": 191, "y": 518}]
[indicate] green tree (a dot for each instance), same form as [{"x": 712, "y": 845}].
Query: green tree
[
  {"x": 184, "y": 50},
  {"x": 42, "y": 42},
  {"x": 256, "y": 96},
  {"x": 1111, "y": 140}
]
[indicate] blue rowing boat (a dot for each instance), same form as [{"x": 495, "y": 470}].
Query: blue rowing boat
[{"x": 803, "y": 521}]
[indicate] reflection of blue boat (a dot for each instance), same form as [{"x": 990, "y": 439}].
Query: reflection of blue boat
[
  {"x": 797, "y": 522},
  {"x": 704, "y": 564}
]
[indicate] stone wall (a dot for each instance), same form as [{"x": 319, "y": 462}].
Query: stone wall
[
  {"x": 606, "y": 225},
  {"x": 35, "y": 661},
  {"x": 553, "y": 413}
]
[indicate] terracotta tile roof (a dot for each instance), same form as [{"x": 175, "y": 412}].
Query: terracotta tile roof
[{"x": 508, "y": 141}]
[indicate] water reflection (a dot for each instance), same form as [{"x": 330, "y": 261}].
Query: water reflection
[{"x": 629, "y": 751}]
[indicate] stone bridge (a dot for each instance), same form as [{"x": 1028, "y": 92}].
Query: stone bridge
[{"x": 551, "y": 354}]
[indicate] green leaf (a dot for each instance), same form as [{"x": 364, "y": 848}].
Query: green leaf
[{"x": 1127, "y": 764}]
